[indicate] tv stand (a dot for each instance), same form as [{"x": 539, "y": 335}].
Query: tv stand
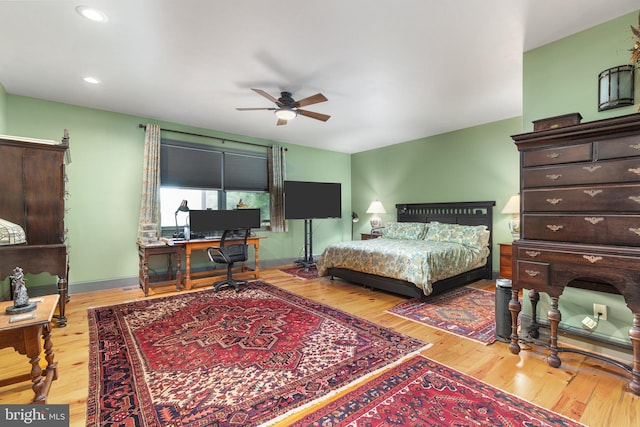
[{"x": 308, "y": 261}]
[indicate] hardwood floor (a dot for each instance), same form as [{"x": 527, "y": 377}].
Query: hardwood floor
[{"x": 583, "y": 389}]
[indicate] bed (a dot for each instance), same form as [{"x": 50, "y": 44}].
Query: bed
[{"x": 361, "y": 261}]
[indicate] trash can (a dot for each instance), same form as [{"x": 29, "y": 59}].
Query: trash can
[{"x": 503, "y": 315}]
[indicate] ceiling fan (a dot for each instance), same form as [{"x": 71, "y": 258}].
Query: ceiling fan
[{"x": 287, "y": 108}]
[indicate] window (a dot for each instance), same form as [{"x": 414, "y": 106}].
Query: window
[{"x": 210, "y": 178}]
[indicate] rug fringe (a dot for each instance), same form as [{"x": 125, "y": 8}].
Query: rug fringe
[{"x": 353, "y": 384}]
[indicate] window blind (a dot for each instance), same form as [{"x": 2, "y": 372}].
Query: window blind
[{"x": 202, "y": 167}]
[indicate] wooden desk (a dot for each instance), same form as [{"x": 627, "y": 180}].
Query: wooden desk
[
  {"x": 190, "y": 280},
  {"x": 145, "y": 251},
  {"x": 24, "y": 336}
]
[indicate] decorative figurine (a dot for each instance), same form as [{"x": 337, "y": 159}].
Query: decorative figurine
[{"x": 21, "y": 303}]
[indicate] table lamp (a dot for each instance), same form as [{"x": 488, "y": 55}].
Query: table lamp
[
  {"x": 513, "y": 208},
  {"x": 182, "y": 208},
  {"x": 376, "y": 208}
]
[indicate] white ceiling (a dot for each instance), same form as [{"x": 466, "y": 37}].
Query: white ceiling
[{"x": 393, "y": 70}]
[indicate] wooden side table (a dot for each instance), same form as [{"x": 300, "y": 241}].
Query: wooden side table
[
  {"x": 368, "y": 236},
  {"x": 25, "y": 337},
  {"x": 147, "y": 250},
  {"x": 505, "y": 260}
]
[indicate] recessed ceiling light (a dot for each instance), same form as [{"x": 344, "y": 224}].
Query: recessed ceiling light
[
  {"x": 91, "y": 80},
  {"x": 92, "y": 14}
]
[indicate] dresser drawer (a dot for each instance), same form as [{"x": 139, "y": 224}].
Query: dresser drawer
[
  {"x": 584, "y": 256},
  {"x": 613, "y": 198},
  {"x": 612, "y": 171},
  {"x": 553, "y": 156},
  {"x": 593, "y": 229},
  {"x": 628, "y": 146},
  {"x": 532, "y": 274}
]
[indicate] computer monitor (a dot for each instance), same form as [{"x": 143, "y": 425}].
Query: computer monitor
[{"x": 209, "y": 222}]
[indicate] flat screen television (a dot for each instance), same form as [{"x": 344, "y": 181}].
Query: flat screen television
[
  {"x": 311, "y": 200},
  {"x": 209, "y": 222}
]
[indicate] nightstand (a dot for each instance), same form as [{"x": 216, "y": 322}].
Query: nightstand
[
  {"x": 368, "y": 236},
  {"x": 505, "y": 260}
]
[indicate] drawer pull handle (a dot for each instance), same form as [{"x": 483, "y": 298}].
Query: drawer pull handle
[
  {"x": 592, "y": 193},
  {"x": 532, "y": 273},
  {"x": 635, "y": 147},
  {"x": 635, "y": 170},
  {"x": 592, "y": 168},
  {"x": 594, "y": 219},
  {"x": 635, "y": 198},
  {"x": 553, "y": 155},
  {"x": 635, "y": 230},
  {"x": 532, "y": 254},
  {"x": 592, "y": 258},
  {"x": 555, "y": 228},
  {"x": 554, "y": 201},
  {"x": 554, "y": 177}
]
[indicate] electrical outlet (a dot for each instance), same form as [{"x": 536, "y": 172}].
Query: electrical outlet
[{"x": 600, "y": 308}]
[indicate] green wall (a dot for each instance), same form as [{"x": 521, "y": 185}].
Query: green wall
[
  {"x": 561, "y": 78},
  {"x": 104, "y": 186},
  {"x": 474, "y": 164},
  {"x": 3, "y": 110}
]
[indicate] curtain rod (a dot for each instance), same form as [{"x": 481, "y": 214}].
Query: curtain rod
[{"x": 223, "y": 140}]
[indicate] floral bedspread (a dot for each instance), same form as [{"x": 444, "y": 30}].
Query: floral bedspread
[{"x": 417, "y": 261}]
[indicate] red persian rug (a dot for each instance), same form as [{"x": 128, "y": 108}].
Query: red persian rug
[
  {"x": 226, "y": 358},
  {"x": 422, "y": 392},
  {"x": 467, "y": 312},
  {"x": 302, "y": 272}
]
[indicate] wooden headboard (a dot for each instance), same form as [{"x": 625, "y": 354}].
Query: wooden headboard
[{"x": 465, "y": 213}]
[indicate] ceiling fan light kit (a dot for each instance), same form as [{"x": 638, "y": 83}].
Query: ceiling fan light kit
[
  {"x": 286, "y": 114},
  {"x": 288, "y": 108}
]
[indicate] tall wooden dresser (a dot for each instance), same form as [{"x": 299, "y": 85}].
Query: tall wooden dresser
[
  {"x": 580, "y": 221},
  {"x": 32, "y": 191}
]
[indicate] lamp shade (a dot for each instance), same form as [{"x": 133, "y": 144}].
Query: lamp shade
[
  {"x": 512, "y": 206},
  {"x": 184, "y": 207},
  {"x": 376, "y": 208}
]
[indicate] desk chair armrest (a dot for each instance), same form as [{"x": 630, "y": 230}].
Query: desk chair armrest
[{"x": 214, "y": 251}]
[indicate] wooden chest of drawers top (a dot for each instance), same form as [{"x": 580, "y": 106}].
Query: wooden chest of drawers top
[{"x": 581, "y": 184}]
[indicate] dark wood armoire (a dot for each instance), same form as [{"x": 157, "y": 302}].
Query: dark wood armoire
[{"x": 32, "y": 192}]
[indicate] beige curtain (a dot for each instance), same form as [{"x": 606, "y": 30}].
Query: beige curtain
[
  {"x": 277, "y": 175},
  {"x": 150, "y": 203}
]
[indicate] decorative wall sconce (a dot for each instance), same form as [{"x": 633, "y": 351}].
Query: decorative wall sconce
[{"x": 615, "y": 87}]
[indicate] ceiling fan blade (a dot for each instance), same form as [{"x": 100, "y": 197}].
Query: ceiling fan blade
[
  {"x": 281, "y": 122},
  {"x": 250, "y": 109},
  {"x": 314, "y": 99},
  {"x": 266, "y": 95},
  {"x": 313, "y": 115}
]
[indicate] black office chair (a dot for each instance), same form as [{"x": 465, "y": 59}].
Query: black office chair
[{"x": 235, "y": 250}]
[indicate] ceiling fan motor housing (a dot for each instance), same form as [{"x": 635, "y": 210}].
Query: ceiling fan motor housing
[{"x": 285, "y": 99}]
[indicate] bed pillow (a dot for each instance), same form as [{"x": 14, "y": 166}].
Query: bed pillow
[
  {"x": 405, "y": 230},
  {"x": 475, "y": 236}
]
